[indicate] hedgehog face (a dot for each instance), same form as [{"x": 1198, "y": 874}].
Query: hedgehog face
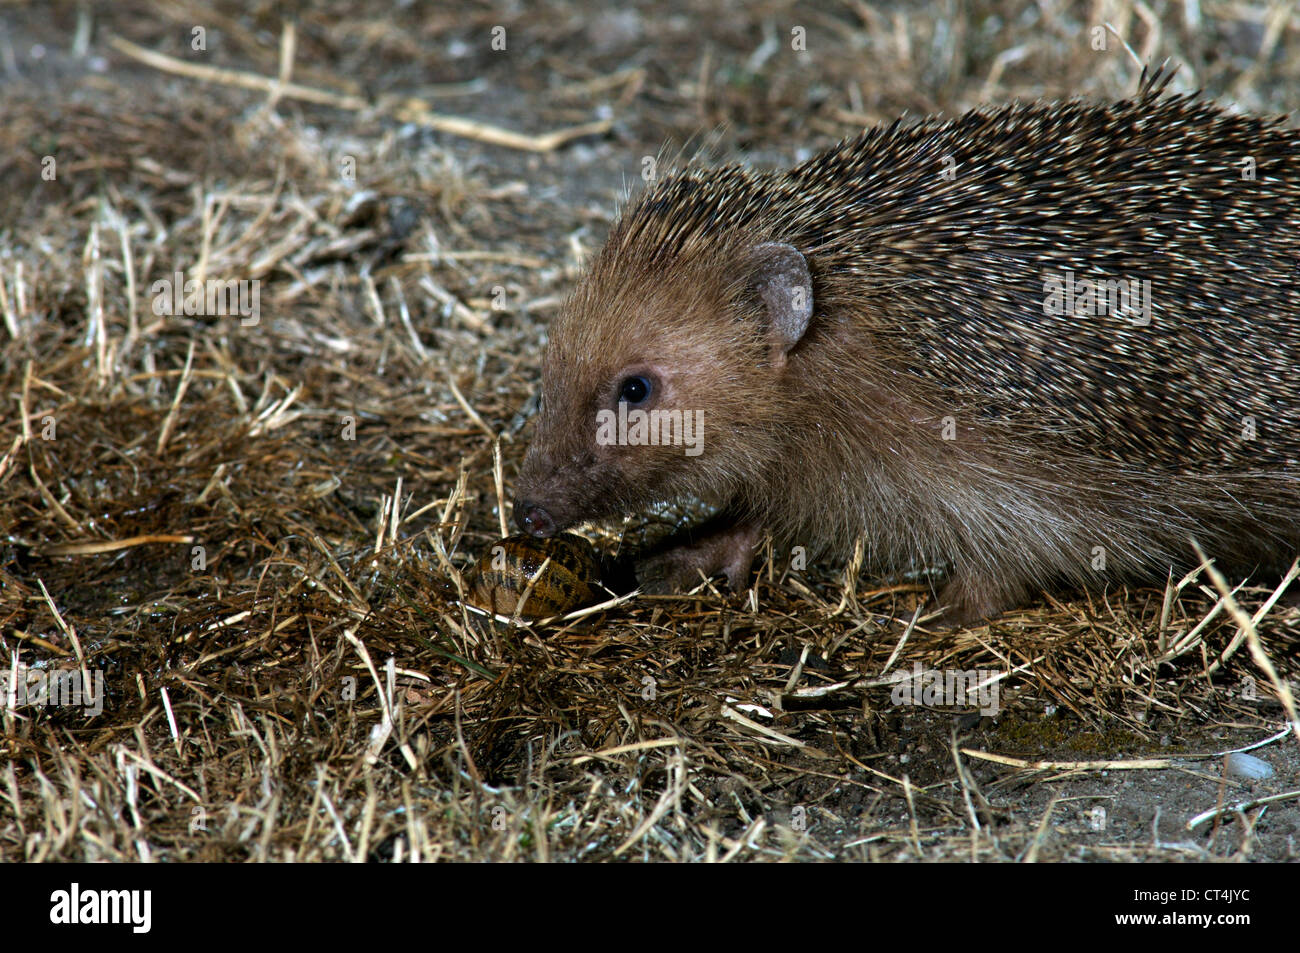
[
  {"x": 662, "y": 383},
  {"x": 618, "y": 430}
]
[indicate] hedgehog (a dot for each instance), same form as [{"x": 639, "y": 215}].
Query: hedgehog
[{"x": 1042, "y": 345}]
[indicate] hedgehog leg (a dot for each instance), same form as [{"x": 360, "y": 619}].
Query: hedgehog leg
[
  {"x": 970, "y": 597},
  {"x": 722, "y": 545}
]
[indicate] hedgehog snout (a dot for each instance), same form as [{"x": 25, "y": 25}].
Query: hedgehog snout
[{"x": 534, "y": 519}]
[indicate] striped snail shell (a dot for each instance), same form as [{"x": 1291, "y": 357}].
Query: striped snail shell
[{"x": 499, "y": 578}]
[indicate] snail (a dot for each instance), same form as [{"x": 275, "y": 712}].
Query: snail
[{"x": 503, "y": 573}]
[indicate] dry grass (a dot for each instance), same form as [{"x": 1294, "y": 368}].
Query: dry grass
[{"x": 255, "y": 532}]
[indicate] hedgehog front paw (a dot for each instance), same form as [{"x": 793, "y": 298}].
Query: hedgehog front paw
[
  {"x": 969, "y": 599},
  {"x": 685, "y": 560},
  {"x": 675, "y": 570}
]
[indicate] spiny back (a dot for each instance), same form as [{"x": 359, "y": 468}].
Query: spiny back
[{"x": 941, "y": 239}]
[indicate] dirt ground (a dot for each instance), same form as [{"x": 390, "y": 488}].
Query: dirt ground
[{"x": 249, "y": 528}]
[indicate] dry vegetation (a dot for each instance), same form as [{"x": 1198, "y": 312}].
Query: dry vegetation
[{"x": 255, "y": 531}]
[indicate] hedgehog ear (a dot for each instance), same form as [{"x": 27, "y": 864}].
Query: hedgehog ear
[{"x": 781, "y": 278}]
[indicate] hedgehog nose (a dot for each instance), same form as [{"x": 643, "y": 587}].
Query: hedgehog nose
[{"x": 534, "y": 519}]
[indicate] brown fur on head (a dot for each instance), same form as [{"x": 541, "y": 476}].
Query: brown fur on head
[{"x": 708, "y": 329}]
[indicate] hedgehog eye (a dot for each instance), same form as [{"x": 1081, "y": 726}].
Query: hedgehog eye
[{"x": 634, "y": 390}]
